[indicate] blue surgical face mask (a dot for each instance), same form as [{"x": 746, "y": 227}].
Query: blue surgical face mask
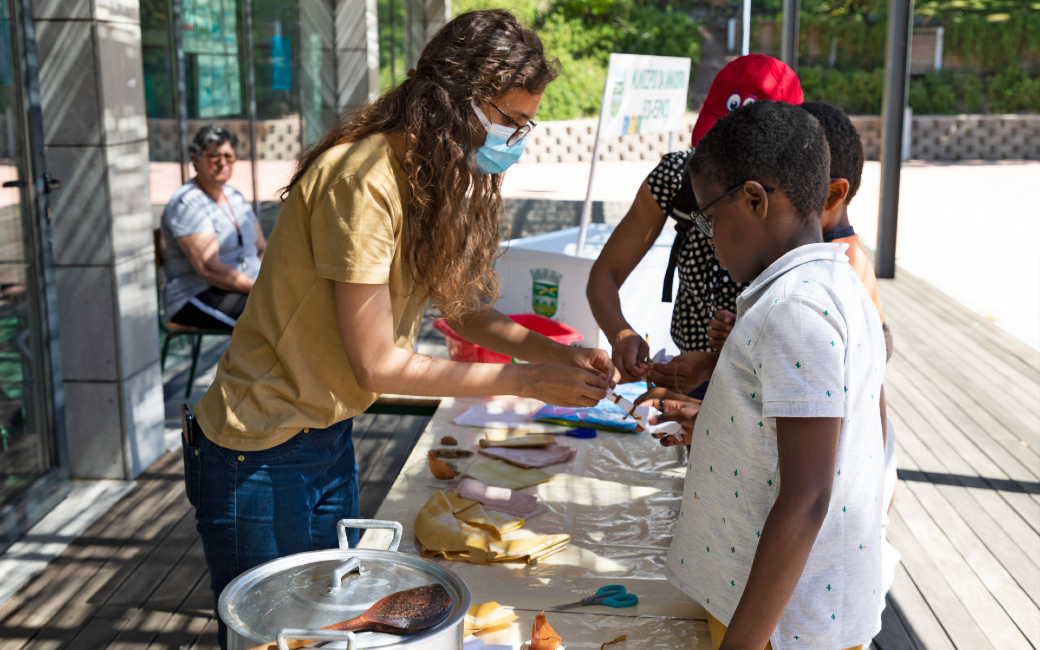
[{"x": 496, "y": 155}]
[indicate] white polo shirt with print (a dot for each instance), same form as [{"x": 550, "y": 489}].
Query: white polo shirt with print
[{"x": 807, "y": 342}]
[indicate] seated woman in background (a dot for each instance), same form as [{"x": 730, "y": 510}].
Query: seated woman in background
[{"x": 217, "y": 239}]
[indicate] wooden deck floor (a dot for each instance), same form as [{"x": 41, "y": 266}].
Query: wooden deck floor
[
  {"x": 137, "y": 578},
  {"x": 963, "y": 395}
]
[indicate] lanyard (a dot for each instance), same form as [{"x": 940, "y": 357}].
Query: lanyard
[{"x": 230, "y": 214}]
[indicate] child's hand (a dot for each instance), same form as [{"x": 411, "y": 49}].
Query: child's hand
[
  {"x": 685, "y": 372},
  {"x": 630, "y": 350},
  {"x": 685, "y": 413},
  {"x": 660, "y": 397},
  {"x": 720, "y": 327}
]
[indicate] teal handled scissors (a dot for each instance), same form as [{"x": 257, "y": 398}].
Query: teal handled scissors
[{"x": 611, "y": 596}]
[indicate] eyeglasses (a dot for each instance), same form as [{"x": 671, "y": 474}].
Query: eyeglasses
[
  {"x": 521, "y": 130},
  {"x": 215, "y": 156},
  {"x": 703, "y": 223}
]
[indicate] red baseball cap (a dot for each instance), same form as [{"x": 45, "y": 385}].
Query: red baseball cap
[{"x": 744, "y": 80}]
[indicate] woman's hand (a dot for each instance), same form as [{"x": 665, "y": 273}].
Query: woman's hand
[
  {"x": 685, "y": 413},
  {"x": 685, "y": 372},
  {"x": 630, "y": 350},
  {"x": 562, "y": 385},
  {"x": 719, "y": 328},
  {"x": 593, "y": 360}
]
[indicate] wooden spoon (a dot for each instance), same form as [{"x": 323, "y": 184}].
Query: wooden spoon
[{"x": 404, "y": 612}]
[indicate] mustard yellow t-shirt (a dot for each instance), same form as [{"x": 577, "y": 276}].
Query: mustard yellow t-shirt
[{"x": 286, "y": 370}]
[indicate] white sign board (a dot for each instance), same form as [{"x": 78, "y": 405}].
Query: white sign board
[{"x": 644, "y": 94}]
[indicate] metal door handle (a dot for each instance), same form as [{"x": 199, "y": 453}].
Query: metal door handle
[{"x": 50, "y": 184}]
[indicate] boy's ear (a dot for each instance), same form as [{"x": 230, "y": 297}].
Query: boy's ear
[
  {"x": 757, "y": 198},
  {"x": 836, "y": 193}
]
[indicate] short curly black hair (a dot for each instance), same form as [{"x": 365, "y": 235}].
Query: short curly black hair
[
  {"x": 844, "y": 141},
  {"x": 772, "y": 143},
  {"x": 209, "y": 136}
]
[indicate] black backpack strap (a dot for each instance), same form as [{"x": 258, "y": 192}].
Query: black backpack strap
[{"x": 683, "y": 204}]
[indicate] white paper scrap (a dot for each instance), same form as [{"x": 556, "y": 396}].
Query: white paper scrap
[
  {"x": 476, "y": 643},
  {"x": 479, "y": 416},
  {"x": 662, "y": 356},
  {"x": 641, "y": 415}
]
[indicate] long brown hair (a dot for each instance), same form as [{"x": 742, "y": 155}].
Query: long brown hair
[{"x": 454, "y": 211}]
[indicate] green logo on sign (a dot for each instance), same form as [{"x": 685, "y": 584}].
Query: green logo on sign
[
  {"x": 545, "y": 291},
  {"x": 616, "y": 95}
]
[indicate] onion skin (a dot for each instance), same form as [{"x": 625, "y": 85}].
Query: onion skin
[{"x": 543, "y": 636}]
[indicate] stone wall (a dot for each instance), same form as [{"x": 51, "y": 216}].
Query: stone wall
[
  {"x": 572, "y": 140},
  {"x": 933, "y": 137},
  {"x": 961, "y": 137},
  {"x": 277, "y": 139}
]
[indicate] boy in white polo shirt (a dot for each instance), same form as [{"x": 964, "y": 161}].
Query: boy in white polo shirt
[{"x": 779, "y": 532}]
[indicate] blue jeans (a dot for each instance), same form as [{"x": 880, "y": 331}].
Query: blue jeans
[{"x": 253, "y": 507}]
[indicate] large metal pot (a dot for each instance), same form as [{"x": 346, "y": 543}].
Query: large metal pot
[{"x": 293, "y": 597}]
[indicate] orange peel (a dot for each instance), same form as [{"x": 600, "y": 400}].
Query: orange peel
[
  {"x": 440, "y": 469},
  {"x": 543, "y": 636}
]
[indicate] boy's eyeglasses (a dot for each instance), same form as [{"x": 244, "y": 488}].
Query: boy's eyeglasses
[
  {"x": 521, "y": 130},
  {"x": 703, "y": 223}
]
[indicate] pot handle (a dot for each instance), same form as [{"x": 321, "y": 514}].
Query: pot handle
[
  {"x": 343, "y": 524},
  {"x": 336, "y": 577},
  {"x": 314, "y": 635}
]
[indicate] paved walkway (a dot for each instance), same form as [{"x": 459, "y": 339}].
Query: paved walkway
[{"x": 971, "y": 229}]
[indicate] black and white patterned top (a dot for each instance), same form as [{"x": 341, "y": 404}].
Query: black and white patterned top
[{"x": 704, "y": 288}]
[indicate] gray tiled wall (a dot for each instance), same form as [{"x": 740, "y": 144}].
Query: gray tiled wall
[{"x": 96, "y": 143}]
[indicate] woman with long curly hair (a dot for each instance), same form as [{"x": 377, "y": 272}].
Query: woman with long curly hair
[{"x": 395, "y": 207}]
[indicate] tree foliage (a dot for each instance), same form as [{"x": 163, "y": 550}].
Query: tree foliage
[{"x": 583, "y": 33}]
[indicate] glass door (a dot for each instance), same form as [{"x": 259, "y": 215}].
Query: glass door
[{"x": 29, "y": 389}]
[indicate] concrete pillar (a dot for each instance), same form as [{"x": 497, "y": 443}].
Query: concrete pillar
[
  {"x": 357, "y": 53},
  {"x": 789, "y": 33},
  {"x": 893, "y": 116},
  {"x": 438, "y": 13},
  {"x": 414, "y": 29},
  {"x": 318, "y": 75},
  {"x": 96, "y": 143}
]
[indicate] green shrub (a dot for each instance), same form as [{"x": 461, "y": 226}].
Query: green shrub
[
  {"x": 979, "y": 35},
  {"x": 1013, "y": 91},
  {"x": 992, "y": 45},
  {"x": 583, "y": 33},
  {"x": 944, "y": 93},
  {"x": 856, "y": 92}
]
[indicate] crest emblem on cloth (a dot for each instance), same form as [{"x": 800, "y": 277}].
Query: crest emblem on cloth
[{"x": 545, "y": 291}]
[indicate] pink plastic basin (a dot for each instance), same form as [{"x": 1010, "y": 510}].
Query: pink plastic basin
[{"x": 459, "y": 349}]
